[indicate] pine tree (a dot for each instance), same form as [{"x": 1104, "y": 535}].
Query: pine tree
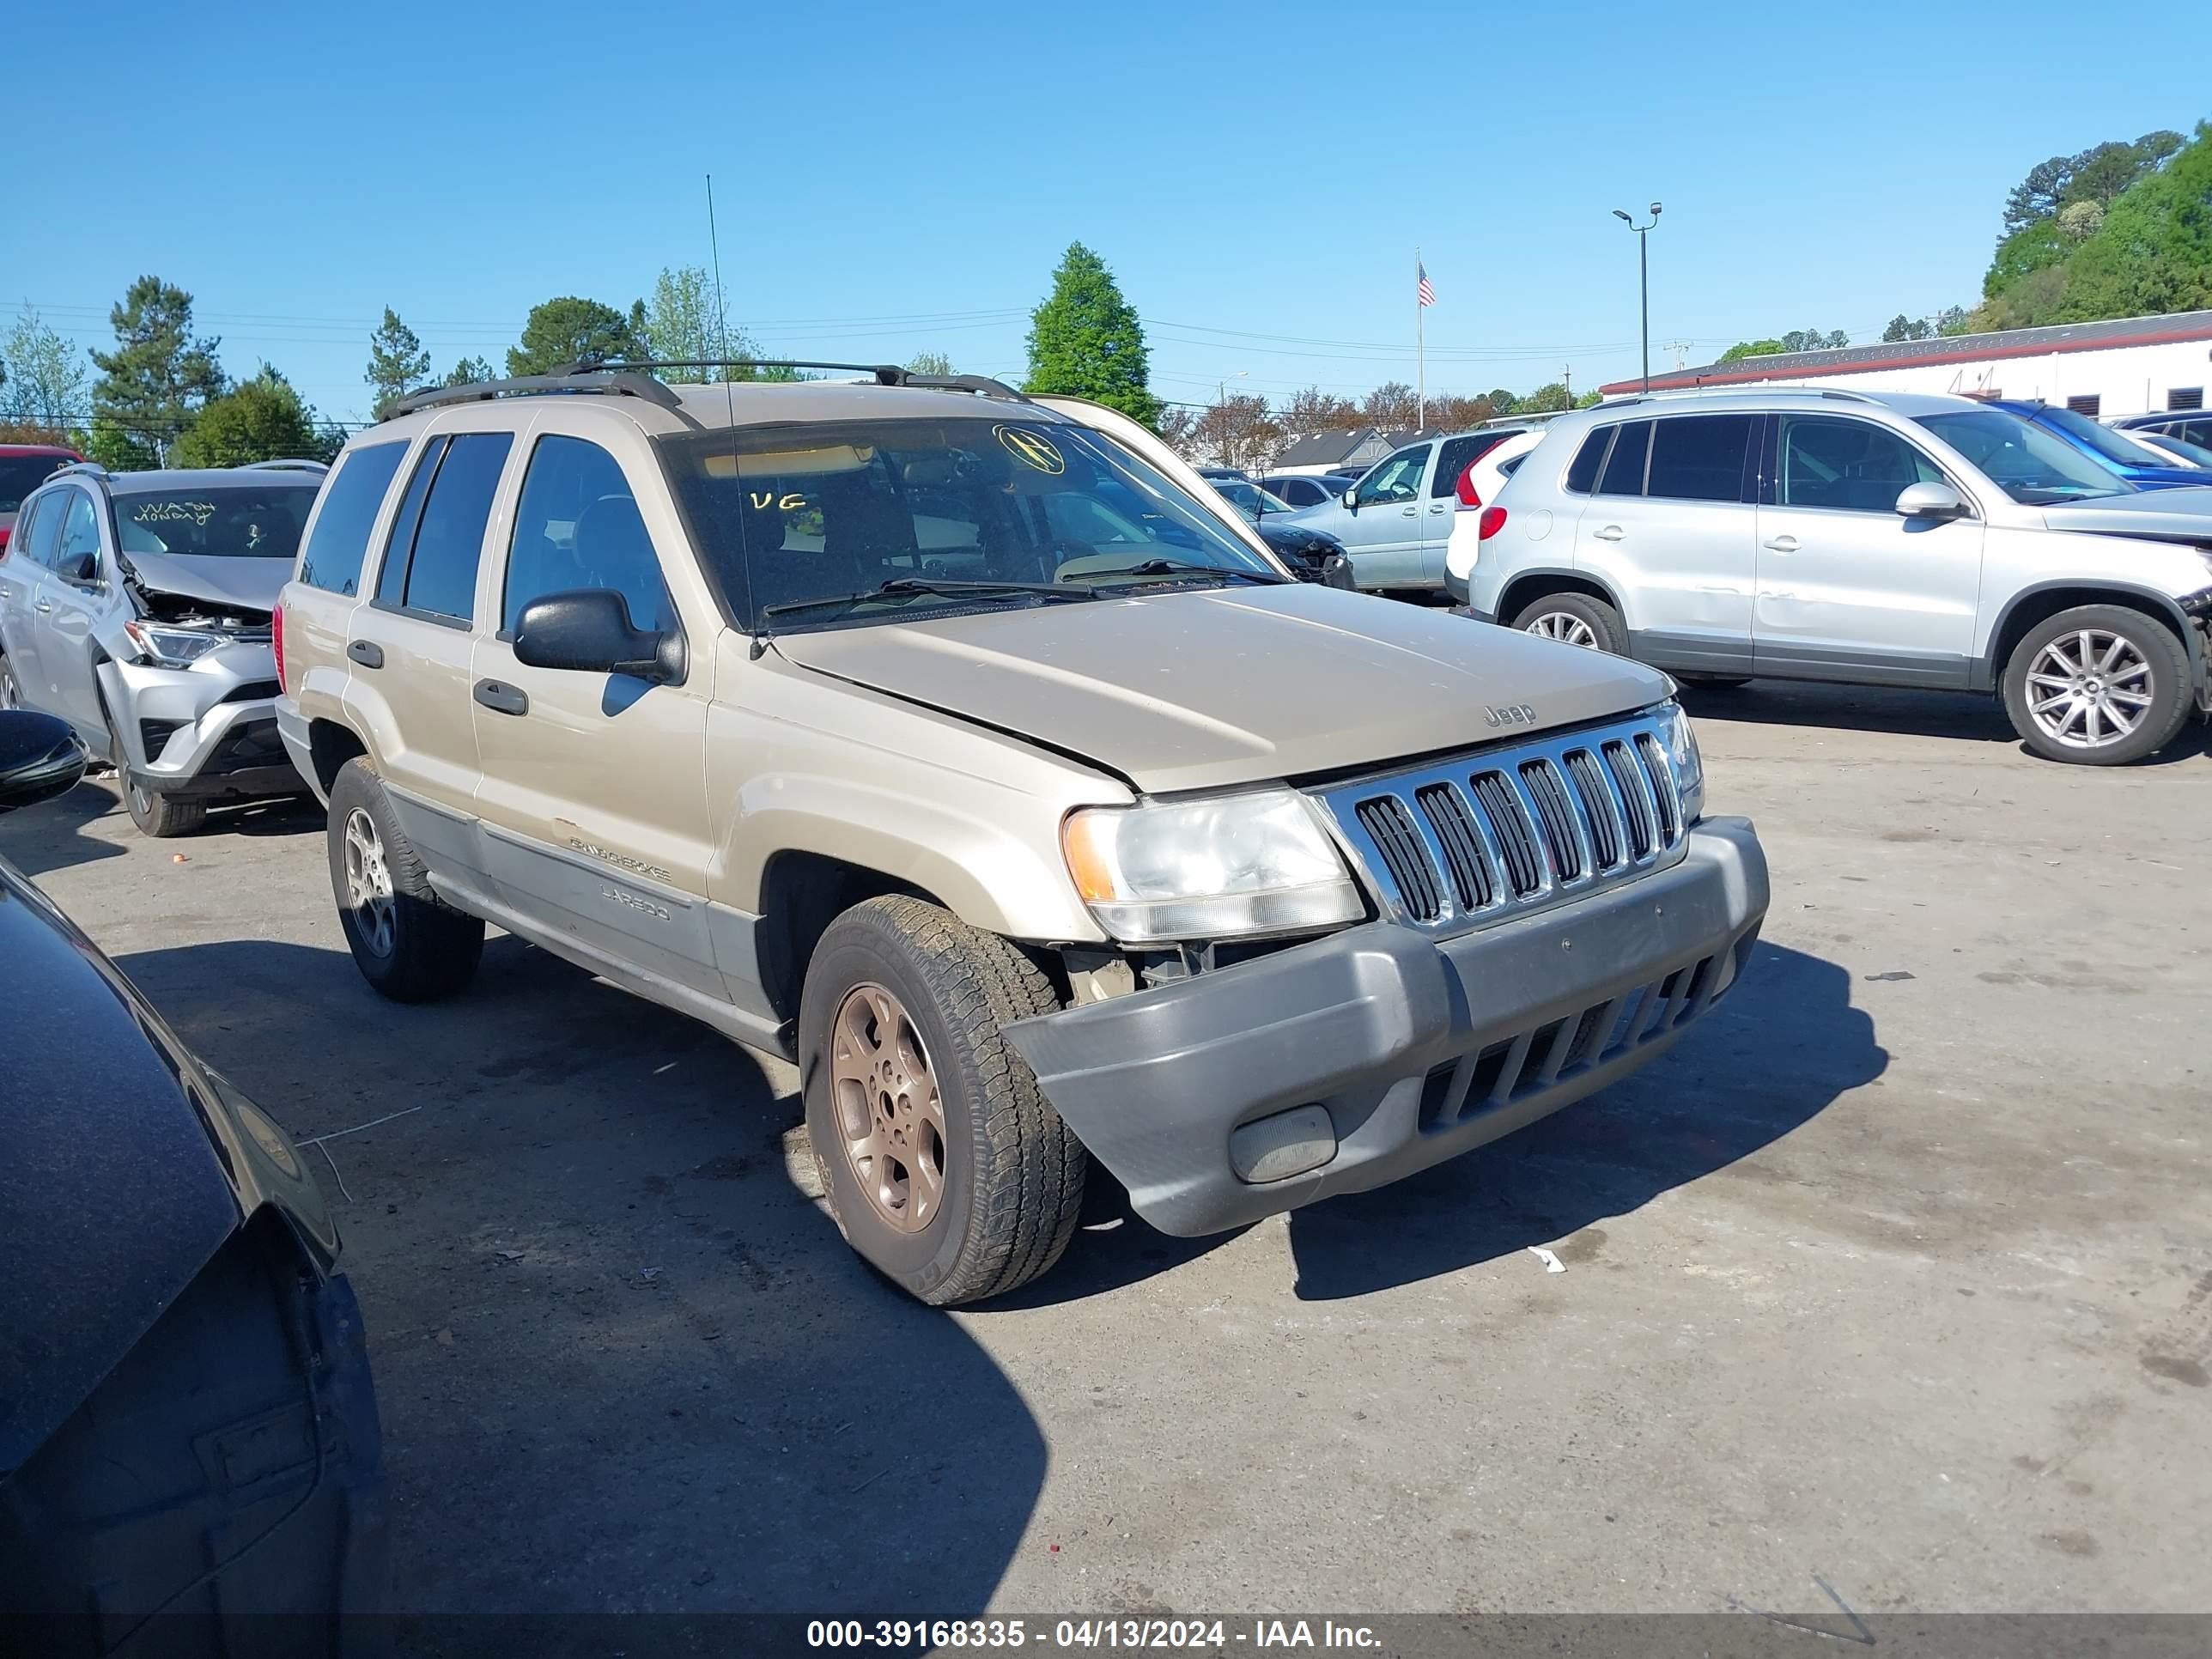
[
  {"x": 1085, "y": 340},
  {"x": 155, "y": 381},
  {"x": 398, "y": 364}
]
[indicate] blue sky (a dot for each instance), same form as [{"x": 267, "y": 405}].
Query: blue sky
[{"x": 897, "y": 177}]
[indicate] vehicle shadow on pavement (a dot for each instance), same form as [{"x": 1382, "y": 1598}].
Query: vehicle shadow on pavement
[
  {"x": 1782, "y": 1045},
  {"x": 52, "y": 837},
  {"x": 1969, "y": 718},
  {"x": 623, "y": 1363}
]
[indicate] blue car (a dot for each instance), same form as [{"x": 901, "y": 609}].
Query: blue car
[{"x": 2137, "y": 463}]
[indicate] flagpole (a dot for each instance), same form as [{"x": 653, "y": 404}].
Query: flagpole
[{"x": 1420, "y": 350}]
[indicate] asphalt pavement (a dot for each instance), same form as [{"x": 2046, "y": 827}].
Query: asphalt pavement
[{"x": 1897, "y": 1271}]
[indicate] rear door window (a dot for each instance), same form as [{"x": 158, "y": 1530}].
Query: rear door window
[
  {"x": 338, "y": 545},
  {"x": 448, "y": 536},
  {"x": 1623, "y": 468},
  {"x": 1700, "y": 457},
  {"x": 1582, "y": 475},
  {"x": 45, "y": 534},
  {"x": 578, "y": 526}
]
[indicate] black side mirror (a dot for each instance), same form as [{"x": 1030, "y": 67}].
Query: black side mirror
[
  {"x": 40, "y": 758},
  {"x": 586, "y": 630},
  {"x": 84, "y": 568}
]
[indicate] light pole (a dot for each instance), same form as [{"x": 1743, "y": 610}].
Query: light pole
[{"x": 1643, "y": 279}]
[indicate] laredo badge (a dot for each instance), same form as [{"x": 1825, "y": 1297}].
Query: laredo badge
[{"x": 1031, "y": 448}]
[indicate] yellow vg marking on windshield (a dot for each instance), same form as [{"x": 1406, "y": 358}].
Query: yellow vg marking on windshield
[
  {"x": 762, "y": 499},
  {"x": 1032, "y": 449}
]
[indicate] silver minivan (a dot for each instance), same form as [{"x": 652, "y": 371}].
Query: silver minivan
[{"x": 1877, "y": 538}]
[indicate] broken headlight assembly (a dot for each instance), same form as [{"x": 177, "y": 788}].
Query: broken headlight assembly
[
  {"x": 1225, "y": 867},
  {"x": 171, "y": 647}
]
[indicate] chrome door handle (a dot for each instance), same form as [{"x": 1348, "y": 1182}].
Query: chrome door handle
[
  {"x": 1436, "y": 506},
  {"x": 1783, "y": 544},
  {"x": 1612, "y": 532},
  {"x": 42, "y": 606},
  {"x": 1408, "y": 511}
]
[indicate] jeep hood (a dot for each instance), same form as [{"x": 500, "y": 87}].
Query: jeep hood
[
  {"x": 2171, "y": 515},
  {"x": 242, "y": 584},
  {"x": 1207, "y": 688}
]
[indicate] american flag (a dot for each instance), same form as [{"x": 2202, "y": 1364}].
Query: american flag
[{"x": 1422, "y": 289}]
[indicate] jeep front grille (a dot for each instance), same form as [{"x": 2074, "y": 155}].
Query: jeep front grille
[{"x": 1494, "y": 835}]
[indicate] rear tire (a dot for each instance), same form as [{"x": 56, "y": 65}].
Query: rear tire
[
  {"x": 2099, "y": 685},
  {"x": 11, "y": 695},
  {"x": 410, "y": 945},
  {"x": 943, "y": 1164},
  {"x": 1576, "y": 619}
]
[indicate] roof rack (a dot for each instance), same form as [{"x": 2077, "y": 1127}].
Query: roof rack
[
  {"x": 609, "y": 380},
  {"x": 1846, "y": 396},
  {"x": 884, "y": 374},
  {"x": 289, "y": 464}
]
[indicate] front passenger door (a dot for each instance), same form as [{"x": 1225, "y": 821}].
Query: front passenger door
[
  {"x": 1384, "y": 532},
  {"x": 593, "y": 789},
  {"x": 1849, "y": 588}
]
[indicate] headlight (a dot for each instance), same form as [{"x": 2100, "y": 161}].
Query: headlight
[
  {"x": 171, "y": 647},
  {"x": 1233, "y": 865},
  {"x": 1689, "y": 765}
]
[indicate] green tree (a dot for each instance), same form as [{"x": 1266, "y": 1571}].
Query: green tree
[
  {"x": 1085, "y": 340},
  {"x": 1502, "y": 402},
  {"x": 398, "y": 364},
  {"x": 568, "y": 329},
  {"x": 1954, "y": 319},
  {"x": 1743, "y": 348},
  {"x": 262, "y": 419},
  {"x": 1902, "y": 327},
  {"x": 2035, "y": 246},
  {"x": 1544, "y": 400},
  {"x": 471, "y": 370},
  {"x": 2098, "y": 174},
  {"x": 155, "y": 381},
  {"x": 2152, "y": 253},
  {"x": 42, "y": 380},
  {"x": 929, "y": 362},
  {"x": 1589, "y": 400}
]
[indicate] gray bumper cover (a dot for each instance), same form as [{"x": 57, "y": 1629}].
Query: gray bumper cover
[{"x": 1417, "y": 1050}]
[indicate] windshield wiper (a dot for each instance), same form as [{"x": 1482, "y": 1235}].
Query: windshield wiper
[
  {"x": 1183, "y": 568},
  {"x": 900, "y": 587}
]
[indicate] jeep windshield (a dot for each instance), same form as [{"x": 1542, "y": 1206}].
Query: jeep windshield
[
  {"x": 838, "y": 524},
  {"x": 2036, "y": 468},
  {"x": 219, "y": 521}
]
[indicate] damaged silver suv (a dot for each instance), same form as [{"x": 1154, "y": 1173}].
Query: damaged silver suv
[
  {"x": 137, "y": 607},
  {"x": 966, "y": 748}
]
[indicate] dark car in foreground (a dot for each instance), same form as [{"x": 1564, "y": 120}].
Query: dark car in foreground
[{"x": 189, "y": 1456}]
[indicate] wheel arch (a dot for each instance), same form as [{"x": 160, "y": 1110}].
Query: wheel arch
[
  {"x": 2034, "y": 605},
  {"x": 330, "y": 745},
  {"x": 1527, "y": 586}
]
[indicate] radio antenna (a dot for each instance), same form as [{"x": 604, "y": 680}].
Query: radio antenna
[{"x": 730, "y": 402}]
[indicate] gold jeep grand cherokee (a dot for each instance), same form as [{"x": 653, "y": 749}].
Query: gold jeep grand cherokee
[{"x": 964, "y": 748}]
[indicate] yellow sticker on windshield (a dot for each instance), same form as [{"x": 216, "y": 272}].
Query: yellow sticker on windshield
[{"x": 1032, "y": 449}]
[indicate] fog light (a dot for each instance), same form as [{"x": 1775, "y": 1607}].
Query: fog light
[{"x": 1288, "y": 1144}]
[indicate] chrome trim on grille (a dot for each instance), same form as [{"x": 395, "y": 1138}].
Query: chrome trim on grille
[{"x": 1415, "y": 875}]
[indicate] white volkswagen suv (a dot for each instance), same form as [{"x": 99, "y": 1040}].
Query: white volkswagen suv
[{"x": 1875, "y": 538}]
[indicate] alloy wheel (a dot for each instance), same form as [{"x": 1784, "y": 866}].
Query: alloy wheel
[
  {"x": 1566, "y": 627},
  {"x": 2089, "y": 689},
  {"x": 890, "y": 1115},
  {"x": 368, "y": 884}
]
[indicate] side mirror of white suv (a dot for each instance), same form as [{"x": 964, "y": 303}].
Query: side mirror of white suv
[{"x": 1930, "y": 500}]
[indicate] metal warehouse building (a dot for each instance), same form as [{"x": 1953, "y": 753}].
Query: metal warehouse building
[{"x": 2128, "y": 366}]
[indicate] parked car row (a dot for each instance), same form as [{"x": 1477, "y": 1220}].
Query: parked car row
[{"x": 1879, "y": 539}]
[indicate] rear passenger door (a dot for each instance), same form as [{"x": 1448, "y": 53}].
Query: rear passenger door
[
  {"x": 412, "y": 644},
  {"x": 593, "y": 790},
  {"x": 1849, "y": 588},
  {"x": 1671, "y": 528}
]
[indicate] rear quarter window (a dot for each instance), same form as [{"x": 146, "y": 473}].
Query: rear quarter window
[
  {"x": 1581, "y": 474},
  {"x": 338, "y": 543}
]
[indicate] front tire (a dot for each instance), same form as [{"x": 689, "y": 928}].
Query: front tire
[
  {"x": 2098, "y": 685},
  {"x": 943, "y": 1163},
  {"x": 158, "y": 816},
  {"x": 1576, "y": 619},
  {"x": 410, "y": 945}
]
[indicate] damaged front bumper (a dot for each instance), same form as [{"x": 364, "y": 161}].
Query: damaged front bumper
[
  {"x": 206, "y": 731},
  {"x": 1352, "y": 1062}
]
